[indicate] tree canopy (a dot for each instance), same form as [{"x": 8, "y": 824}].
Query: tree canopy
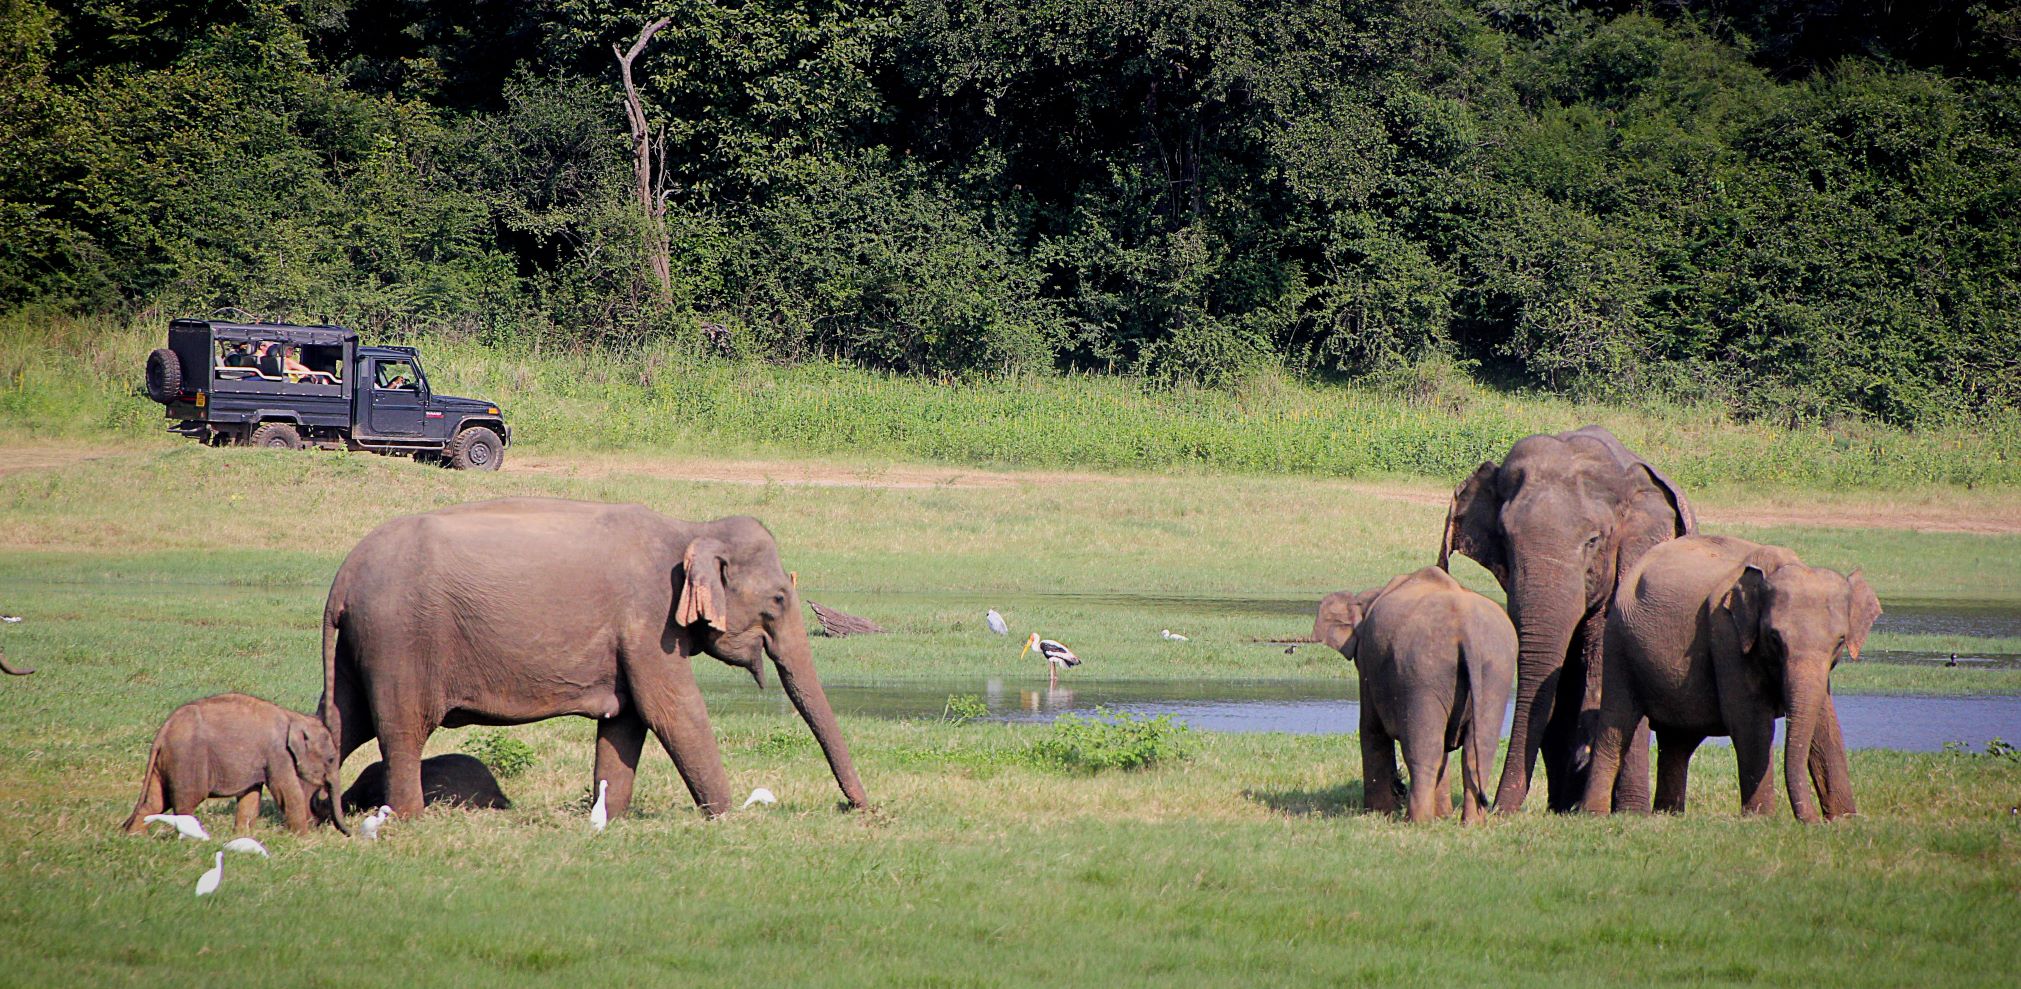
[{"x": 1796, "y": 208}]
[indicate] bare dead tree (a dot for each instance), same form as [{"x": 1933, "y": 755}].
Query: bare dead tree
[{"x": 651, "y": 181}]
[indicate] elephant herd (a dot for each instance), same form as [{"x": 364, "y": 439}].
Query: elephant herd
[{"x": 1620, "y": 619}]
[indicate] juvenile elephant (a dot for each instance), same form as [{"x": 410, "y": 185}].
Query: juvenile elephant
[
  {"x": 518, "y": 610},
  {"x": 230, "y": 746},
  {"x": 1555, "y": 522},
  {"x": 1436, "y": 663},
  {"x": 456, "y": 779},
  {"x": 1713, "y": 635}
]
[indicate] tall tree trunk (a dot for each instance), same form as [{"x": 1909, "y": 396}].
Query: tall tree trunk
[{"x": 658, "y": 250}]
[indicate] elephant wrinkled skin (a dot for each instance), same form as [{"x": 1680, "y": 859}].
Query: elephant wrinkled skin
[
  {"x": 518, "y": 610},
  {"x": 1436, "y": 663},
  {"x": 230, "y": 745},
  {"x": 1556, "y": 521},
  {"x": 1713, "y": 635}
]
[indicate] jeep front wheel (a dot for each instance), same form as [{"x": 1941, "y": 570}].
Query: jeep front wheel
[
  {"x": 278, "y": 435},
  {"x": 164, "y": 376},
  {"x": 476, "y": 448}
]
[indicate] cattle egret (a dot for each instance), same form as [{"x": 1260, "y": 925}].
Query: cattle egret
[
  {"x": 764, "y": 796},
  {"x": 996, "y": 622},
  {"x": 207, "y": 883},
  {"x": 369, "y": 827},
  {"x": 10, "y": 619},
  {"x": 247, "y": 846},
  {"x": 1171, "y": 636},
  {"x": 598, "y": 815},
  {"x": 184, "y": 824},
  {"x": 1058, "y": 657}
]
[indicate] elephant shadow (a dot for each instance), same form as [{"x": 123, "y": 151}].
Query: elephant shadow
[
  {"x": 1331, "y": 801},
  {"x": 1327, "y": 801}
]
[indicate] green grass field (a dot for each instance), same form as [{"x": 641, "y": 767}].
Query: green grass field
[{"x": 161, "y": 572}]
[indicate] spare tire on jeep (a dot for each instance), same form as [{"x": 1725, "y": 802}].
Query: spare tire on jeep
[{"x": 164, "y": 376}]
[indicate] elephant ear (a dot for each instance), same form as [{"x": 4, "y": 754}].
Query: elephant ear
[
  {"x": 702, "y": 595},
  {"x": 1743, "y": 603},
  {"x": 1687, "y": 519},
  {"x": 1863, "y": 607},
  {"x": 1474, "y": 524},
  {"x": 303, "y": 748},
  {"x": 1338, "y": 615}
]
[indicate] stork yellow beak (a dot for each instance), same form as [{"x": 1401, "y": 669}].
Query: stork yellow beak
[{"x": 1028, "y": 646}]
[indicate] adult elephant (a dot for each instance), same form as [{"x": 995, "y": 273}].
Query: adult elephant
[
  {"x": 523, "y": 609},
  {"x": 1556, "y": 522}
]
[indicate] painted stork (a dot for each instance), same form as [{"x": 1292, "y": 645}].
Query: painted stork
[
  {"x": 1058, "y": 657},
  {"x": 996, "y": 622}
]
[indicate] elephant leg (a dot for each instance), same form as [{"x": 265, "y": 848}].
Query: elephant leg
[
  {"x": 1754, "y": 749},
  {"x": 1442, "y": 790},
  {"x": 619, "y": 739},
  {"x": 354, "y": 715},
  {"x": 1610, "y": 740},
  {"x": 1673, "y": 768},
  {"x": 1566, "y": 783},
  {"x": 1378, "y": 764},
  {"x": 1631, "y": 786},
  {"x": 1425, "y": 758},
  {"x": 292, "y": 797},
  {"x": 677, "y": 717},
  {"x": 1828, "y": 770},
  {"x": 247, "y": 810},
  {"x": 402, "y": 751}
]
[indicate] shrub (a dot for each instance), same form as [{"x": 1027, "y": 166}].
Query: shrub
[
  {"x": 963, "y": 708},
  {"x": 1113, "y": 740},
  {"x": 507, "y": 756}
]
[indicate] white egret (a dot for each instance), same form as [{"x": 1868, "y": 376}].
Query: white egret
[
  {"x": 996, "y": 622},
  {"x": 1171, "y": 636},
  {"x": 598, "y": 815},
  {"x": 760, "y": 796},
  {"x": 247, "y": 846},
  {"x": 184, "y": 825},
  {"x": 10, "y": 619},
  {"x": 369, "y": 827},
  {"x": 207, "y": 883},
  {"x": 1058, "y": 657}
]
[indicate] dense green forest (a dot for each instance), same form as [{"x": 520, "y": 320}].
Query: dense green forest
[{"x": 1795, "y": 209}]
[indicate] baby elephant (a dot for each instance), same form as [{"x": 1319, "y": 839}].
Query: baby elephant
[
  {"x": 1711, "y": 635},
  {"x": 452, "y": 779},
  {"x": 230, "y": 746},
  {"x": 1437, "y": 663}
]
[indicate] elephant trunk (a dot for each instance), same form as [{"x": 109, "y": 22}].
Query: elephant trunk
[
  {"x": 1546, "y": 608},
  {"x": 336, "y": 805},
  {"x": 794, "y": 658},
  {"x": 1808, "y": 698}
]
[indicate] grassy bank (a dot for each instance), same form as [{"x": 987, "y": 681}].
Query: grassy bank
[
  {"x": 1247, "y": 862},
  {"x": 1102, "y": 564},
  {"x": 71, "y": 378}
]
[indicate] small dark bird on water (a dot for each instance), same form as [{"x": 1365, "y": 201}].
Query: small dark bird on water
[{"x": 1953, "y": 661}]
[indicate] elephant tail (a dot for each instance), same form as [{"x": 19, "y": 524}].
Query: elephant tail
[
  {"x": 327, "y": 708},
  {"x": 1486, "y": 706},
  {"x": 153, "y": 800}
]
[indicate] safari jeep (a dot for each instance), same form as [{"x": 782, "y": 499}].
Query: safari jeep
[{"x": 276, "y": 385}]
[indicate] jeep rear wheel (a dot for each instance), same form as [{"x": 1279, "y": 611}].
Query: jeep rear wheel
[
  {"x": 476, "y": 448},
  {"x": 278, "y": 435},
  {"x": 164, "y": 376}
]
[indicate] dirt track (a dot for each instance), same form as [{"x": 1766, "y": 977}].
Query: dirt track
[{"x": 1984, "y": 513}]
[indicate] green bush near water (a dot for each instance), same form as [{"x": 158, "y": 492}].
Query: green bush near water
[{"x": 1112, "y": 740}]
